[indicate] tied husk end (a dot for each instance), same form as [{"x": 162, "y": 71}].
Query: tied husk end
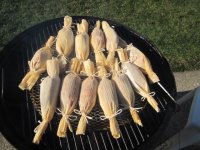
[
  {"x": 136, "y": 117},
  {"x": 62, "y": 128},
  {"x": 29, "y": 80},
  {"x": 76, "y": 65},
  {"x": 153, "y": 103},
  {"x": 81, "y": 126},
  {"x": 40, "y": 132},
  {"x": 114, "y": 128}
]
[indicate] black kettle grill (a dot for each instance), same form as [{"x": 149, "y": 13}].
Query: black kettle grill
[{"x": 19, "y": 117}]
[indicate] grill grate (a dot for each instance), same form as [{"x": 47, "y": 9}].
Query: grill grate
[{"x": 22, "y": 116}]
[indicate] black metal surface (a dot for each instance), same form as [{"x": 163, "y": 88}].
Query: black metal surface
[{"x": 19, "y": 117}]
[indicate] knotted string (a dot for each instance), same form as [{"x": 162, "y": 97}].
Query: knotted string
[
  {"x": 36, "y": 128},
  {"x": 66, "y": 59},
  {"x": 136, "y": 108},
  {"x": 78, "y": 112},
  {"x": 149, "y": 94},
  {"x": 114, "y": 115},
  {"x": 67, "y": 118},
  {"x": 130, "y": 107}
]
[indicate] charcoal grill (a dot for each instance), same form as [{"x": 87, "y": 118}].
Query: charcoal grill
[{"x": 19, "y": 117}]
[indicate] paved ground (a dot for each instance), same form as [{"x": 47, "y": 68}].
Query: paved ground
[{"x": 185, "y": 81}]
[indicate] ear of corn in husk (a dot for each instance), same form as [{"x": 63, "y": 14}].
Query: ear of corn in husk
[
  {"x": 87, "y": 99},
  {"x": 81, "y": 45},
  {"x": 139, "y": 83},
  {"x": 98, "y": 43},
  {"x": 108, "y": 101},
  {"x": 140, "y": 60},
  {"x": 37, "y": 65},
  {"x": 65, "y": 42},
  {"x": 49, "y": 89},
  {"x": 112, "y": 41},
  {"x": 68, "y": 101},
  {"x": 126, "y": 93}
]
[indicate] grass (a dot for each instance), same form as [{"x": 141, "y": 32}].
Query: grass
[{"x": 173, "y": 25}]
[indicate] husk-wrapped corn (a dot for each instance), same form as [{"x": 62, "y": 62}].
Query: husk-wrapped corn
[
  {"x": 68, "y": 100},
  {"x": 112, "y": 41},
  {"x": 65, "y": 42},
  {"x": 87, "y": 99},
  {"x": 126, "y": 93},
  {"x": 140, "y": 60},
  {"x": 137, "y": 79},
  {"x": 108, "y": 101},
  {"x": 98, "y": 43},
  {"x": 37, "y": 65},
  {"x": 81, "y": 45},
  {"x": 49, "y": 89}
]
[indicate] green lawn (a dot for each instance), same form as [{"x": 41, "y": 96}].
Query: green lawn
[{"x": 173, "y": 25}]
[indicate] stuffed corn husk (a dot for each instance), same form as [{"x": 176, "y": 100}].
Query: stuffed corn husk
[
  {"x": 37, "y": 65},
  {"x": 49, "y": 89},
  {"x": 137, "y": 79},
  {"x": 125, "y": 91},
  {"x": 81, "y": 46},
  {"x": 98, "y": 43},
  {"x": 112, "y": 41},
  {"x": 65, "y": 42},
  {"x": 68, "y": 100},
  {"x": 108, "y": 101},
  {"x": 88, "y": 94},
  {"x": 140, "y": 60}
]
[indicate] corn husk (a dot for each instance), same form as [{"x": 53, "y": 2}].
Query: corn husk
[
  {"x": 140, "y": 60},
  {"x": 137, "y": 79},
  {"x": 126, "y": 93},
  {"x": 82, "y": 41},
  {"x": 68, "y": 101},
  {"x": 87, "y": 99},
  {"x": 98, "y": 43},
  {"x": 108, "y": 101},
  {"x": 139, "y": 83},
  {"x": 81, "y": 45},
  {"x": 37, "y": 65},
  {"x": 65, "y": 38},
  {"x": 65, "y": 42},
  {"x": 112, "y": 41},
  {"x": 49, "y": 89}
]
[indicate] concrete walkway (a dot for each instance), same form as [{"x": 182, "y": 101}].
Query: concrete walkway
[{"x": 185, "y": 81}]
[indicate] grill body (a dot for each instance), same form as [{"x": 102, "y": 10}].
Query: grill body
[{"x": 19, "y": 116}]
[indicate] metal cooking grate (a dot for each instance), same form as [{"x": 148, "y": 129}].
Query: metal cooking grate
[{"x": 22, "y": 117}]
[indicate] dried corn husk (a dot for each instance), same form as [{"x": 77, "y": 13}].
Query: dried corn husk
[
  {"x": 68, "y": 101},
  {"x": 112, "y": 41},
  {"x": 65, "y": 42},
  {"x": 108, "y": 101},
  {"x": 82, "y": 41},
  {"x": 81, "y": 45},
  {"x": 140, "y": 60},
  {"x": 137, "y": 79},
  {"x": 87, "y": 99},
  {"x": 65, "y": 38},
  {"x": 98, "y": 44},
  {"x": 139, "y": 83},
  {"x": 37, "y": 65},
  {"x": 126, "y": 93},
  {"x": 49, "y": 89}
]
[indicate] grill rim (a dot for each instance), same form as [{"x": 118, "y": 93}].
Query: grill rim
[{"x": 4, "y": 128}]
